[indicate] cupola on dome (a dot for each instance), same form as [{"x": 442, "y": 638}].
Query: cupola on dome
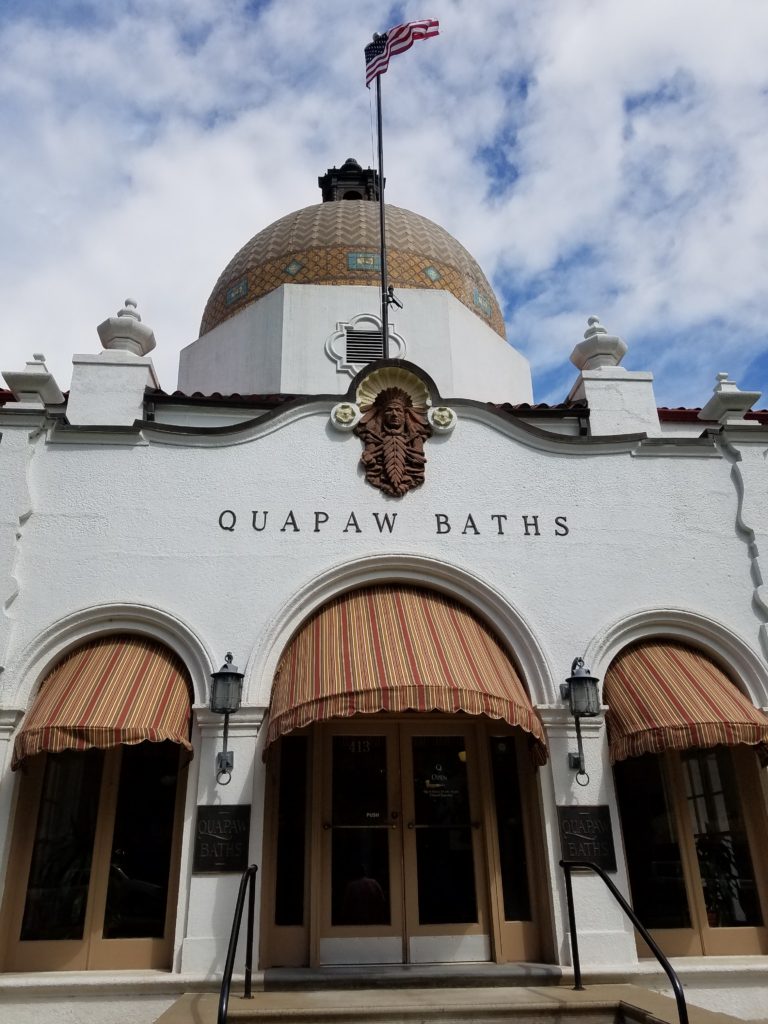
[{"x": 337, "y": 243}]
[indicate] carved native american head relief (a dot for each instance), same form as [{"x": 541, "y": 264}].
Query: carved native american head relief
[{"x": 393, "y": 427}]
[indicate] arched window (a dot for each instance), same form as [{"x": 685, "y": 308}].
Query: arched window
[
  {"x": 95, "y": 848},
  {"x": 686, "y": 746}
]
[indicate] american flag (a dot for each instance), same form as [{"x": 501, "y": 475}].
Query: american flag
[{"x": 397, "y": 40}]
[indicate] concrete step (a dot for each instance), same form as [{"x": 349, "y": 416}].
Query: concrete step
[
  {"x": 454, "y": 975},
  {"x": 518, "y": 1004}
]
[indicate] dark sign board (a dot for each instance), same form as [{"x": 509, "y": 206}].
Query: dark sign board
[
  {"x": 586, "y": 834},
  {"x": 221, "y": 837}
]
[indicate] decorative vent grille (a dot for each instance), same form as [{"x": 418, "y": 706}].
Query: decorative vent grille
[{"x": 364, "y": 346}]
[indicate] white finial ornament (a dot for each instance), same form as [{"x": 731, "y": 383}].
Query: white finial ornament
[
  {"x": 598, "y": 348},
  {"x": 34, "y": 387},
  {"x": 594, "y": 327},
  {"x": 728, "y": 404},
  {"x": 126, "y": 333},
  {"x": 130, "y": 309}
]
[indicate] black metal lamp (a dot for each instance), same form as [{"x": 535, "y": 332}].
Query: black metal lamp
[
  {"x": 581, "y": 691},
  {"x": 226, "y": 694}
]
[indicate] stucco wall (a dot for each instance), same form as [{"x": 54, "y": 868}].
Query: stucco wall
[{"x": 554, "y": 541}]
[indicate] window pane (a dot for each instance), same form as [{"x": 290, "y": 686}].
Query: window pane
[
  {"x": 361, "y": 828},
  {"x": 360, "y": 780},
  {"x": 722, "y": 849},
  {"x": 653, "y": 856},
  {"x": 291, "y": 831},
  {"x": 60, "y": 873},
  {"x": 444, "y": 856},
  {"x": 509, "y": 818},
  {"x": 141, "y": 843},
  {"x": 446, "y": 876},
  {"x": 441, "y": 795},
  {"x": 360, "y": 876}
]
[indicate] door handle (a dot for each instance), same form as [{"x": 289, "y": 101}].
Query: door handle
[{"x": 326, "y": 826}]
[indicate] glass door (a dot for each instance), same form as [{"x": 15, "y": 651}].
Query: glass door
[
  {"x": 403, "y": 877},
  {"x": 362, "y": 912},
  {"x": 443, "y": 848}
]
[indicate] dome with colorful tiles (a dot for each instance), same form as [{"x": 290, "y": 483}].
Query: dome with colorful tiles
[{"x": 337, "y": 243}]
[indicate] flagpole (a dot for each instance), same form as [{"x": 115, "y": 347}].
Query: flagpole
[{"x": 382, "y": 229}]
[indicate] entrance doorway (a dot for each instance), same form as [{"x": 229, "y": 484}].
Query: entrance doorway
[
  {"x": 402, "y": 859},
  {"x": 400, "y": 841}
]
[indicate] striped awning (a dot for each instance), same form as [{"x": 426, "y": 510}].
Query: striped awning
[
  {"x": 664, "y": 695},
  {"x": 397, "y": 648},
  {"x": 120, "y": 689}
]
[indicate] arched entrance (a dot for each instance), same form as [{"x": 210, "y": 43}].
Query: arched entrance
[
  {"x": 400, "y": 821},
  {"x": 95, "y": 850}
]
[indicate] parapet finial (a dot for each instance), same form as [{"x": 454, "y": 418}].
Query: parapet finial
[
  {"x": 598, "y": 348},
  {"x": 126, "y": 333}
]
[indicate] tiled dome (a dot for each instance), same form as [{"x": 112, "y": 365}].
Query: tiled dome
[{"x": 337, "y": 243}]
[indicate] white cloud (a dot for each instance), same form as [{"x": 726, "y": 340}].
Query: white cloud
[{"x": 595, "y": 156}]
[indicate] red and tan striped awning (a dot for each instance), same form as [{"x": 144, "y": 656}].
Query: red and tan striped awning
[
  {"x": 120, "y": 689},
  {"x": 663, "y": 695},
  {"x": 397, "y": 648}
]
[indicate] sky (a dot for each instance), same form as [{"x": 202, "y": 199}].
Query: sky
[{"x": 604, "y": 157}]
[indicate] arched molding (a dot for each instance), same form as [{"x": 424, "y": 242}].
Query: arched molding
[
  {"x": 740, "y": 662},
  {"x": 49, "y": 647},
  {"x": 502, "y": 617}
]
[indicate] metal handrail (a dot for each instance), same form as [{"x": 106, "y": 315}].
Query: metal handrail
[
  {"x": 568, "y": 867},
  {"x": 248, "y": 879}
]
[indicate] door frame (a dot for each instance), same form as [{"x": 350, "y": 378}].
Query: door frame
[{"x": 510, "y": 941}]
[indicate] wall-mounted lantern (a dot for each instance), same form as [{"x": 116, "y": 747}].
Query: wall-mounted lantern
[
  {"x": 581, "y": 691},
  {"x": 226, "y": 694}
]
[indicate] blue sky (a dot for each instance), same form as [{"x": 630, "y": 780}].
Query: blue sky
[{"x": 596, "y": 156}]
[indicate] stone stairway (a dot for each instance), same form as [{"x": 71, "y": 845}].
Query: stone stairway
[{"x": 420, "y": 1004}]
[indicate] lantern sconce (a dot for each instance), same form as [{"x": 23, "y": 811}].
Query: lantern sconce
[
  {"x": 226, "y": 694},
  {"x": 581, "y": 692}
]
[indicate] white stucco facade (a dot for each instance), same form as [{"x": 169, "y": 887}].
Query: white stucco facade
[{"x": 215, "y": 525}]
